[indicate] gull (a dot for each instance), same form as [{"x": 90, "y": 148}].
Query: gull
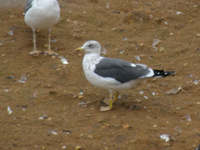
[
  {"x": 41, "y": 14},
  {"x": 113, "y": 74}
]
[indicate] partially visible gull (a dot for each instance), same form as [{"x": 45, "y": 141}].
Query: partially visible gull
[
  {"x": 41, "y": 14},
  {"x": 113, "y": 74}
]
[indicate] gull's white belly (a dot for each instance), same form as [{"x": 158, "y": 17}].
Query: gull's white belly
[{"x": 41, "y": 18}]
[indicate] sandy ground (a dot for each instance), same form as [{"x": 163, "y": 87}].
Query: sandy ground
[{"x": 53, "y": 107}]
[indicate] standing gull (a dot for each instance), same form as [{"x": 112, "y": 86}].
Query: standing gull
[
  {"x": 41, "y": 14},
  {"x": 113, "y": 74}
]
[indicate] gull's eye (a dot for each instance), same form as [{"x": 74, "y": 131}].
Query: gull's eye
[{"x": 91, "y": 46}]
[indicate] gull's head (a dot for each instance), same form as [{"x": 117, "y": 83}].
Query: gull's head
[{"x": 91, "y": 47}]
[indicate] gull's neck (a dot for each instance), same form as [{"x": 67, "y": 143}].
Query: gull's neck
[
  {"x": 92, "y": 55},
  {"x": 42, "y": 3},
  {"x": 91, "y": 58}
]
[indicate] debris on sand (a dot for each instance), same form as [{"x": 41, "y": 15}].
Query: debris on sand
[
  {"x": 153, "y": 93},
  {"x": 196, "y": 82},
  {"x": 155, "y": 44},
  {"x": 138, "y": 58},
  {"x": 43, "y": 117},
  {"x": 78, "y": 147},
  {"x": 11, "y": 32},
  {"x": 107, "y": 5},
  {"x": 174, "y": 91},
  {"x": 66, "y": 132},
  {"x": 198, "y": 34},
  {"x": 63, "y": 60},
  {"x": 1, "y": 43},
  {"x": 53, "y": 132},
  {"x": 81, "y": 94},
  {"x": 122, "y": 52},
  {"x": 9, "y": 110},
  {"x": 64, "y": 147},
  {"x": 82, "y": 104},
  {"x": 188, "y": 118},
  {"x": 10, "y": 77},
  {"x": 179, "y": 13},
  {"x": 104, "y": 51},
  {"x": 124, "y": 38},
  {"x": 23, "y": 79},
  {"x": 102, "y": 108},
  {"x": 165, "y": 137},
  {"x": 141, "y": 92},
  {"x": 126, "y": 126}
]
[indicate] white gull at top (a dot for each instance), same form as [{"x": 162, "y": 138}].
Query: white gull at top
[{"x": 41, "y": 14}]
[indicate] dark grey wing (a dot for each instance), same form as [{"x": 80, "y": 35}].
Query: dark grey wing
[
  {"x": 28, "y": 5},
  {"x": 121, "y": 70}
]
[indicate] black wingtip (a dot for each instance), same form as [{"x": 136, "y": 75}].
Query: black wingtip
[{"x": 162, "y": 73}]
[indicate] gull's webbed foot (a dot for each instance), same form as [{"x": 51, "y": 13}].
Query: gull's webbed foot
[
  {"x": 35, "y": 53},
  {"x": 51, "y": 53}
]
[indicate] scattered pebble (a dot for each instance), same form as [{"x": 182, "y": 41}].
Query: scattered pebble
[
  {"x": 104, "y": 108},
  {"x": 124, "y": 38},
  {"x": 53, "y": 40},
  {"x": 188, "y": 118},
  {"x": 78, "y": 147},
  {"x": 1, "y": 43},
  {"x": 179, "y": 13},
  {"x": 161, "y": 49},
  {"x": 10, "y": 77},
  {"x": 67, "y": 132},
  {"x": 141, "y": 92},
  {"x": 64, "y": 147},
  {"x": 178, "y": 129},
  {"x": 165, "y": 22},
  {"x": 63, "y": 60},
  {"x": 23, "y": 79},
  {"x": 155, "y": 44},
  {"x": 11, "y": 32},
  {"x": 153, "y": 93},
  {"x": 6, "y": 90},
  {"x": 174, "y": 91},
  {"x": 80, "y": 95},
  {"x": 104, "y": 51},
  {"x": 24, "y": 107},
  {"x": 138, "y": 58},
  {"x": 165, "y": 137},
  {"x": 82, "y": 104},
  {"x": 122, "y": 51},
  {"x": 9, "y": 110},
  {"x": 35, "y": 94},
  {"x": 196, "y": 82},
  {"x": 146, "y": 97},
  {"x": 43, "y": 117},
  {"x": 107, "y": 5},
  {"x": 126, "y": 126},
  {"x": 198, "y": 34},
  {"x": 155, "y": 125},
  {"x": 53, "y": 132}
]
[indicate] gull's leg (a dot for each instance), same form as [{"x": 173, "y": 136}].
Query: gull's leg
[
  {"x": 34, "y": 52},
  {"x": 49, "y": 39},
  {"x": 114, "y": 98},
  {"x": 50, "y": 52},
  {"x": 113, "y": 95}
]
